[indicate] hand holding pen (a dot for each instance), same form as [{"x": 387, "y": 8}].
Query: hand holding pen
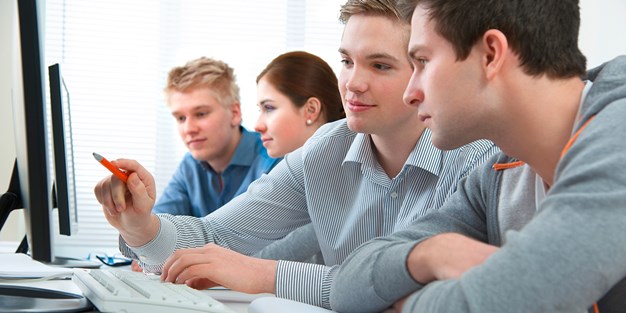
[
  {"x": 116, "y": 171},
  {"x": 127, "y": 201}
]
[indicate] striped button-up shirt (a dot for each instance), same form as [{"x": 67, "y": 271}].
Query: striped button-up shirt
[{"x": 333, "y": 182}]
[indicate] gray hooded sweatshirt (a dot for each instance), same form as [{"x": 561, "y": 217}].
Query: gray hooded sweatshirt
[{"x": 562, "y": 253}]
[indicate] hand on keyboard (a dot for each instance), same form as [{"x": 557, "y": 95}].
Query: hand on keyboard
[
  {"x": 213, "y": 265},
  {"x": 116, "y": 290}
]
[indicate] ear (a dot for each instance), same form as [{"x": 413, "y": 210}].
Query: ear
[
  {"x": 235, "y": 110},
  {"x": 312, "y": 109},
  {"x": 495, "y": 51}
]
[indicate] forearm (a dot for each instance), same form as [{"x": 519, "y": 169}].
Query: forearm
[
  {"x": 175, "y": 232},
  {"x": 536, "y": 271},
  {"x": 374, "y": 277}
]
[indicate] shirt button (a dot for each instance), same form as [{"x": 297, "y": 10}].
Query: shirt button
[
  {"x": 143, "y": 258},
  {"x": 394, "y": 195}
]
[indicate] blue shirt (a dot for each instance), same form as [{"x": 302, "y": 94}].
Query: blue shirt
[
  {"x": 195, "y": 187},
  {"x": 333, "y": 182}
]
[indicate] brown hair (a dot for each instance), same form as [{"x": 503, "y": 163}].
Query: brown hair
[
  {"x": 299, "y": 76},
  {"x": 543, "y": 33}
]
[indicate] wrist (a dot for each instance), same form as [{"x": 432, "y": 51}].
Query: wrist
[
  {"x": 141, "y": 235},
  {"x": 269, "y": 279},
  {"x": 418, "y": 263}
]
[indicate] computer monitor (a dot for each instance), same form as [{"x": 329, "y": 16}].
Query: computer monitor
[
  {"x": 29, "y": 109},
  {"x": 64, "y": 192},
  {"x": 33, "y": 184}
]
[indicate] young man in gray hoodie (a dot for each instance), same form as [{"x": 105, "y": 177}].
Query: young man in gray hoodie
[{"x": 540, "y": 227}]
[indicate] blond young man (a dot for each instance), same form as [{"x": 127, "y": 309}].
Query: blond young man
[{"x": 223, "y": 157}]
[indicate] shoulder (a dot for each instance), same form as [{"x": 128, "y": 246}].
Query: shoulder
[
  {"x": 479, "y": 147},
  {"x": 334, "y": 133},
  {"x": 336, "y": 129}
]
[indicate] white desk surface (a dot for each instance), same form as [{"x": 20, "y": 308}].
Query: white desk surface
[{"x": 237, "y": 301}]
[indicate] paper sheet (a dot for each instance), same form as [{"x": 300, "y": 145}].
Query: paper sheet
[{"x": 19, "y": 266}]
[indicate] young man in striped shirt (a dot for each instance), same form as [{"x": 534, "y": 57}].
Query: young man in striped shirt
[
  {"x": 538, "y": 228},
  {"x": 356, "y": 179}
]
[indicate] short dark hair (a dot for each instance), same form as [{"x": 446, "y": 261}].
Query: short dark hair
[
  {"x": 301, "y": 75},
  {"x": 543, "y": 33}
]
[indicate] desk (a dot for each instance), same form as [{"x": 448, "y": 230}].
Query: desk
[{"x": 237, "y": 301}]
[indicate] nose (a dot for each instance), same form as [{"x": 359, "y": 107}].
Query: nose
[
  {"x": 190, "y": 126},
  {"x": 355, "y": 80},
  {"x": 260, "y": 126},
  {"x": 413, "y": 94}
]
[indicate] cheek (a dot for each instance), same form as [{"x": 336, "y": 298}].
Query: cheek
[{"x": 341, "y": 83}]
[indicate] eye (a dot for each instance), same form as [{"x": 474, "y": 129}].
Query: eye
[
  {"x": 346, "y": 62},
  {"x": 382, "y": 67},
  {"x": 180, "y": 119},
  {"x": 201, "y": 114},
  {"x": 268, "y": 108},
  {"x": 421, "y": 61}
]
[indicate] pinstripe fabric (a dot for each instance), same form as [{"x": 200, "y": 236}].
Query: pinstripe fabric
[{"x": 335, "y": 183}]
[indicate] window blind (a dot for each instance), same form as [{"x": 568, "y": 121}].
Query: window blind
[{"x": 115, "y": 56}]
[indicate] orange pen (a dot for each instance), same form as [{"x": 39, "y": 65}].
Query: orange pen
[{"x": 116, "y": 171}]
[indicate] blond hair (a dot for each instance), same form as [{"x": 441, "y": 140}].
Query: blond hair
[
  {"x": 386, "y": 8},
  {"x": 204, "y": 72}
]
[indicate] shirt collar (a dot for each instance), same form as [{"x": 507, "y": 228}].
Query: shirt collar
[
  {"x": 246, "y": 151},
  {"x": 424, "y": 155}
]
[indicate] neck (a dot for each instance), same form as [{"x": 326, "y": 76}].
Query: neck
[
  {"x": 393, "y": 149},
  {"x": 220, "y": 163},
  {"x": 540, "y": 121}
]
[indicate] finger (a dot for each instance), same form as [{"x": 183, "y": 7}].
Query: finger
[
  {"x": 201, "y": 283},
  {"x": 132, "y": 166},
  {"x": 103, "y": 194},
  {"x": 166, "y": 272},
  {"x": 118, "y": 193},
  {"x": 178, "y": 271}
]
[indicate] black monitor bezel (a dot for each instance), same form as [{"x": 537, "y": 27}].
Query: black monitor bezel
[
  {"x": 65, "y": 188},
  {"x": 35, "y": 188}
]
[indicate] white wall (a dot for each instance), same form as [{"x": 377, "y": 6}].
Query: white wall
[
  {"x": 14, "y": 227},
  {"x": 601, "y": 38},
  {"x": 602, "y": 30}
]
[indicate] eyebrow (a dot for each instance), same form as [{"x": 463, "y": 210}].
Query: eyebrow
[
  {"x": 414, "y": 50},
  {"x": 372, "y": 56},
  {"x": 196, "y": 108},
  {"x": 264, "y": 101}
]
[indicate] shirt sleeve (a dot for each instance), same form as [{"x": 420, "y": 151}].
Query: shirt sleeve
[
  {"x": 300, "y": 245},
  {"x": 571, "y": 253},
  {"x": 246, "y": 224},
  {"x": 304, "y": 282}
]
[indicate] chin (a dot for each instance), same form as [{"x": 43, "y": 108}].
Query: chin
[
  {"x": 274, "y": 155},
  {"x": 357, "y": 126}
]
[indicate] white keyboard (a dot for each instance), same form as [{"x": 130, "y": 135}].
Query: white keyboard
[{"x": 115, "y": 290}]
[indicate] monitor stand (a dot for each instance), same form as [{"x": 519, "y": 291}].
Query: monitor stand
[
  {"x": 14, "y": 298},
  {"x": 61, "y": 261}
]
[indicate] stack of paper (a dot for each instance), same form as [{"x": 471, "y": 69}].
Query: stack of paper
[{"x": 20, "y": 266}]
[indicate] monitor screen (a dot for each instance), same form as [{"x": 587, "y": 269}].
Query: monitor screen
[{"x": 43, "y": 184}]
